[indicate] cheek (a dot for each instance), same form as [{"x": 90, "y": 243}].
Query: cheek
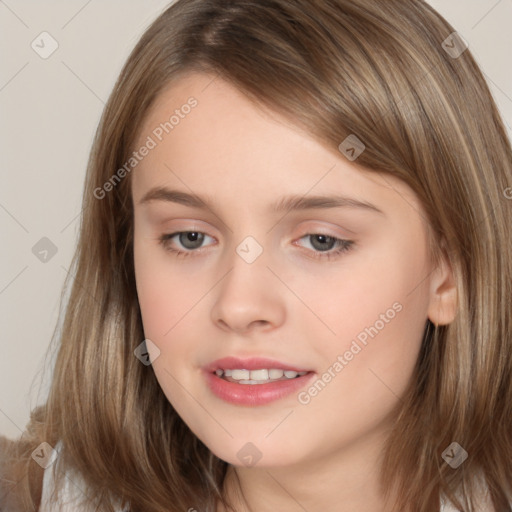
[
  {"x": 170, "y": 303},
  {"x": 376, "y": 305},
  {"x": 160, "y": 302},
  {"x": 352, "y": 295},
  {"x": 367, "y": 366},
  {"x": 165, "y": 300},
  {"x": 167, "y": 287},
  {"x": 150, "y": 291}
]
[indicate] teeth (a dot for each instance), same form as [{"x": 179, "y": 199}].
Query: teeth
[
  {"x": 275, "y": 374},
  {"x": 258, "y": 376},
  {"x": 240, "y": 374}
]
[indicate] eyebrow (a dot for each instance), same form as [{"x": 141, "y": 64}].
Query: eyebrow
[{"x": 283, "y": 205}]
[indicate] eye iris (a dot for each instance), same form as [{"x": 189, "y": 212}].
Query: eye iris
[
  {"x": 326, "y": 242},
  {"x": 191, "y": 236}
]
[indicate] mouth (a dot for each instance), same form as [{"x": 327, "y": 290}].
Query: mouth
[
  {"x": 260, "y": 376},
  {"x": 255, "y": 381}
]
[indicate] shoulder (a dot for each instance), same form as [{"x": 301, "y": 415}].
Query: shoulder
[
  {"x": 17, "y": 485},
  {"x": 7, "y": 476},
  {"x": 71, "y": 496},
  {"x": 484, "y": 503}
]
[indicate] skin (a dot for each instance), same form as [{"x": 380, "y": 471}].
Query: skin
[{"x": 287, "y": 304}]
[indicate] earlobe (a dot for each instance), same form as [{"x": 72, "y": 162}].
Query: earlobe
[{"x": 442, "y": 308}]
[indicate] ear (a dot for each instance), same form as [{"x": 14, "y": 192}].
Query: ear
[{"x": 442, "y": 307}]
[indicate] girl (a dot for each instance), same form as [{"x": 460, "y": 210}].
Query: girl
[{"x": 293, "y": 279}]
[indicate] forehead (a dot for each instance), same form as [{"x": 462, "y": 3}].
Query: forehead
[
  {"x": 224, "y": 136},
  {"x": 216, "y": 103}
]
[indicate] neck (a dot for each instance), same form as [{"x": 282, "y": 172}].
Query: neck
[{"x": 346, "y": 480}]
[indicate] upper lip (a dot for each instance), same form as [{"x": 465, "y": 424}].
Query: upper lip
[{"x": 252, "y": 363}]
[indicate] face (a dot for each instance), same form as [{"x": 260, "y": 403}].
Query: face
[{"x": 335, "y": 291}]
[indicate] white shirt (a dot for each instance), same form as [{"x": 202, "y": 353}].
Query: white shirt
[
  {"x": 74, "y": 490},
  {"x": 72, "y": 493}
]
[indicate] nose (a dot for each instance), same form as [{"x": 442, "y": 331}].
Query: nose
[{"x": 248, "y": 297}]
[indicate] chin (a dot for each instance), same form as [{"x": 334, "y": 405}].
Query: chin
[{"x": 258, "y": 454}]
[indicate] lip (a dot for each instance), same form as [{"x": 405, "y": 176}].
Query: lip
[
  {"x": 253, "y": 394},
  {"x": 253, "y": 363}
]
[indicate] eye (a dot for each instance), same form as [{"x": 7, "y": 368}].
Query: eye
[
  {"x": 189, "y": 240},
  {"x": 323, "y": 244}
]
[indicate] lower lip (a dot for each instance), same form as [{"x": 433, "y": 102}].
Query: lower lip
[{"x": 255, "y": 394}]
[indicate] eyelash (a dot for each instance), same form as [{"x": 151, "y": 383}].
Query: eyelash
[{"x": 343, "y": 245}]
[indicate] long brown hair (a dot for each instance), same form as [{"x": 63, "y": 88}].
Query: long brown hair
[{"x": 383, "y": 71}]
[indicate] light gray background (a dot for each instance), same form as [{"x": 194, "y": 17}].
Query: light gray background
[{"x": 49, "y": 110}]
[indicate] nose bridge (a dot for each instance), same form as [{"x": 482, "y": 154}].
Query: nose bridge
[
  {"x": 248, "y": 293},
  {"x": 248, "y": 263},
  {"x": 250, "y": 250}
]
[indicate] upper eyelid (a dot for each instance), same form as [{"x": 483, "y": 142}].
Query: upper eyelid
[{"x": 199, "y": 225}]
